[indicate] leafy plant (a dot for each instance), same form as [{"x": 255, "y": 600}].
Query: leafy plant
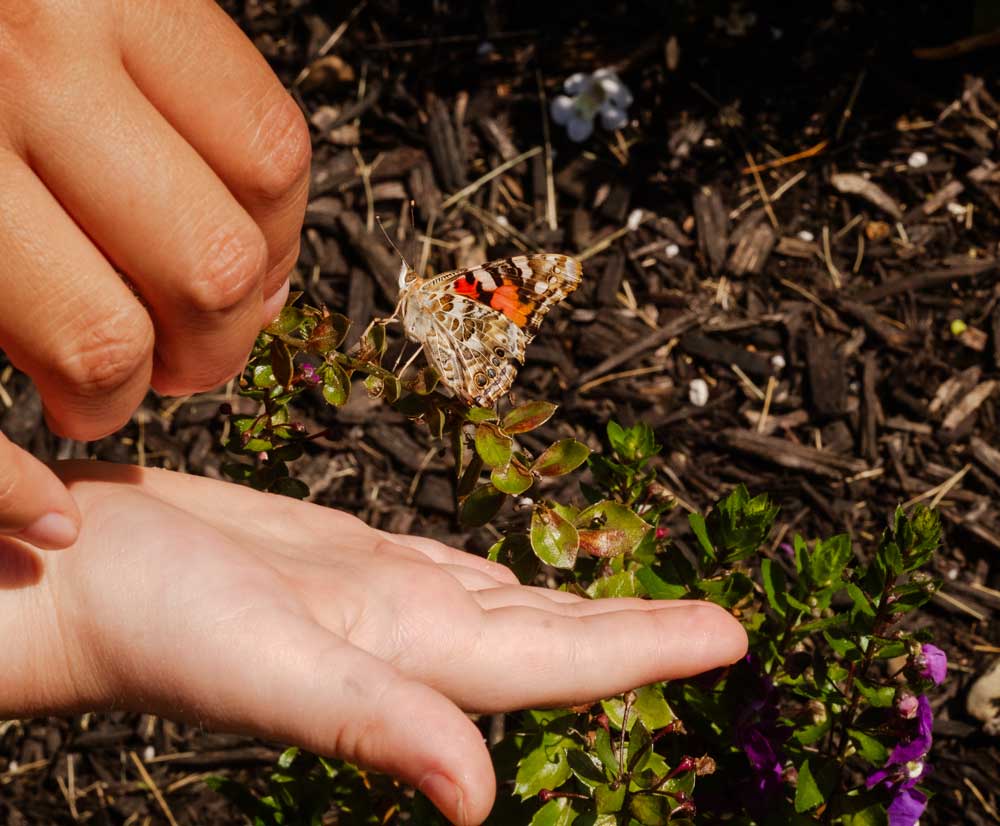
[{"x": 825, "y": 720}]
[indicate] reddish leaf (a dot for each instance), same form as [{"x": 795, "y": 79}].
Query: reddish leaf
[{"x": 527, "y": 417}]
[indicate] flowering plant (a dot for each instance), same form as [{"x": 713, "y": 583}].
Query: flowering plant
[
  {"x": 819, "y": 723},
  {"x": 587, "y": 96}
]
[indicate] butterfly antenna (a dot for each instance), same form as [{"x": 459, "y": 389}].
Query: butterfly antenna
[{"x": 392, "y": 243}]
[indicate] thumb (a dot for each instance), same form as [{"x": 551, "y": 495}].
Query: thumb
[{"x": 34, "y": 504}]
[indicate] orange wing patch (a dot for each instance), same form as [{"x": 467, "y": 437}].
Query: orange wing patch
[{"x": 505, "y": 299}]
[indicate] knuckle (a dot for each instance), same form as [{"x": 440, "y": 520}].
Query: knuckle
[
  {"x": 108, "y": 353},
  {"x": 230, "y": 271},
  {"x": 283, "y": 150}
]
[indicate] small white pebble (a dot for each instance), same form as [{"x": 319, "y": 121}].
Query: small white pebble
[
  {"x": 806, "y": 235},
  {"x": 710, "y": 143},
  {"x": 672, "y": 250},
  {"x": 917, "y": 160},
  {"x": 634, "y": 219},
  {"x": 148, "y": 754},
  {"x": 956, "y": 209},
  {"x": 13, "y": 766},
  {"x": 502, "y": 220},
  {"x": 952, "y": 574},
  {"x": 698, "y": 392},
  {"x": 485, "y": 48},
  {"x": 778, "y": 362}
]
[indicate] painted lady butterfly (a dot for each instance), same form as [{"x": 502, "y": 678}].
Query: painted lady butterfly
[{"x": 474, "y": 324}]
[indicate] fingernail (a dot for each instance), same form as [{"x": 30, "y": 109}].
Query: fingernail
[
  {"x": 445, "y": 794},
  {"x": 53, "y": 530}
]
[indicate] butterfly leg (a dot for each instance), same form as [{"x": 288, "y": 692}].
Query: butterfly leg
[{"x": 409, "y": 361}]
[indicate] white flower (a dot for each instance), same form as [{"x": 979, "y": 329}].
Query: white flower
[
  {"x": 698, "y": 392},
  {"x": 587, "y": 96}
]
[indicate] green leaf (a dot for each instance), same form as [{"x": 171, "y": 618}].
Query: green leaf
[
  {"x": 606, "y": 753},
  {"x": 610, "y": 529},
  {"x": 493, "y": 446},
  {"x": 286, "y": 486},
  {"x": 481, "y": 414},
  {"x": 544, "y": 767},
  {"x": 289, "y": 320},
  {"x": 336, "y": 384},
  {"x": 586, "y": 767},
  {"x": 515, "y": 479},
  {"x": 870, "y": 748},
  {"x": 557, "y": 812},
  {"x": 877, "y": 696},
  {"x": 738, "y": 525},
  {"x": 815, "y": 785},
  {"x": 560, "y": 458},
  {"x": 608, "y": 800},
  {"x": 554, "y": 540},
  {"x": 774, "y": 582},
  {"x": 481, "y": 506},
  {"x": 377, "y": 341},
  {"x": 640, "y": 745},
  {"x": 829, "y": 558},
  {"x": 527, "y": 417},
  {"x": 652, "y": 707},
  {"x": 263, "y": 376},
  {"x": 658, "y": 588},
  {"x": 650, "y": 810},
  {"x": 697, "y": 523},
  {"x": 622, "y": 584}
]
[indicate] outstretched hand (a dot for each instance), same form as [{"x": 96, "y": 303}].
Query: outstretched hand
[{"x": 251, "y": 612}]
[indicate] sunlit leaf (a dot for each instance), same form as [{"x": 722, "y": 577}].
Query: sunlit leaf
[
  {"x": 557, "y": 812},
  {"x": 544, "y": 767},
  {"x": 481, "y": 414},
  {"x": 562, "y": 457},
  {"x": 610, "y": 529},
  {"x": 515, "y": 479},
  {"x": 288, "y": 321},
  {"x": 553, "y": 539},
  {"x": 493, "y": 447},
  {"x": 528, "y": 416},
  {"x": 336, "y": 384}
]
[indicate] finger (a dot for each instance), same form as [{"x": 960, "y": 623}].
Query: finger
[
  {"x": 439, "y": 552},
  {"x": 34, "y": 505},
  {"x": 314, "y": 690},
  {"x": 160, "y": 213},
  {"x": 68, "y": 320},
  {"x": 240, "y": 119},
  {"x": 523, "y": 657},
  {"x": 560, "y": 602}
]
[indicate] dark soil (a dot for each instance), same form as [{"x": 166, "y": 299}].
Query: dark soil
[{"x": 878, "y": 401}]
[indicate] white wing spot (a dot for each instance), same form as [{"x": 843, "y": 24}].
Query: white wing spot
[
  {"x": 541, "y": 287},
  {"x": 485, "y": 279}
]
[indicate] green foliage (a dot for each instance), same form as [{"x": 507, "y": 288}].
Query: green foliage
[{"x": 823, "y": 620}]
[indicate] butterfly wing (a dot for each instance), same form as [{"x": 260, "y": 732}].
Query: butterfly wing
[
  {"x": 522, "y": 288},
  {"x": 475, "y": 323},
  {"x": 475, "y": 349}
]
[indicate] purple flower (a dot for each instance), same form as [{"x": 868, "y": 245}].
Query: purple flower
[
  {"x": 759, "y": 734},
  {"x": 905, "y": 768},
  {"x": 907, "y": 807},
  {"x": 933, "y": 663},
  {"x": 309, "y": 374}
]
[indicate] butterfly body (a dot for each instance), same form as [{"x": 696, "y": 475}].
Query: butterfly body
[{"x": 474, "y": 324}]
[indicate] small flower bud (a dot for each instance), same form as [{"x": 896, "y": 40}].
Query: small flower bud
[{"x": 906, "y": 705}]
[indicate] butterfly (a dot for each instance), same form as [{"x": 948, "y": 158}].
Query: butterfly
[{"x": 474, "y": 324}]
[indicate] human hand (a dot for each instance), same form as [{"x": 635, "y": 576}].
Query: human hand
[
  {"x": 149, "y": 138},
  {"x": 199, "y": 599}
]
